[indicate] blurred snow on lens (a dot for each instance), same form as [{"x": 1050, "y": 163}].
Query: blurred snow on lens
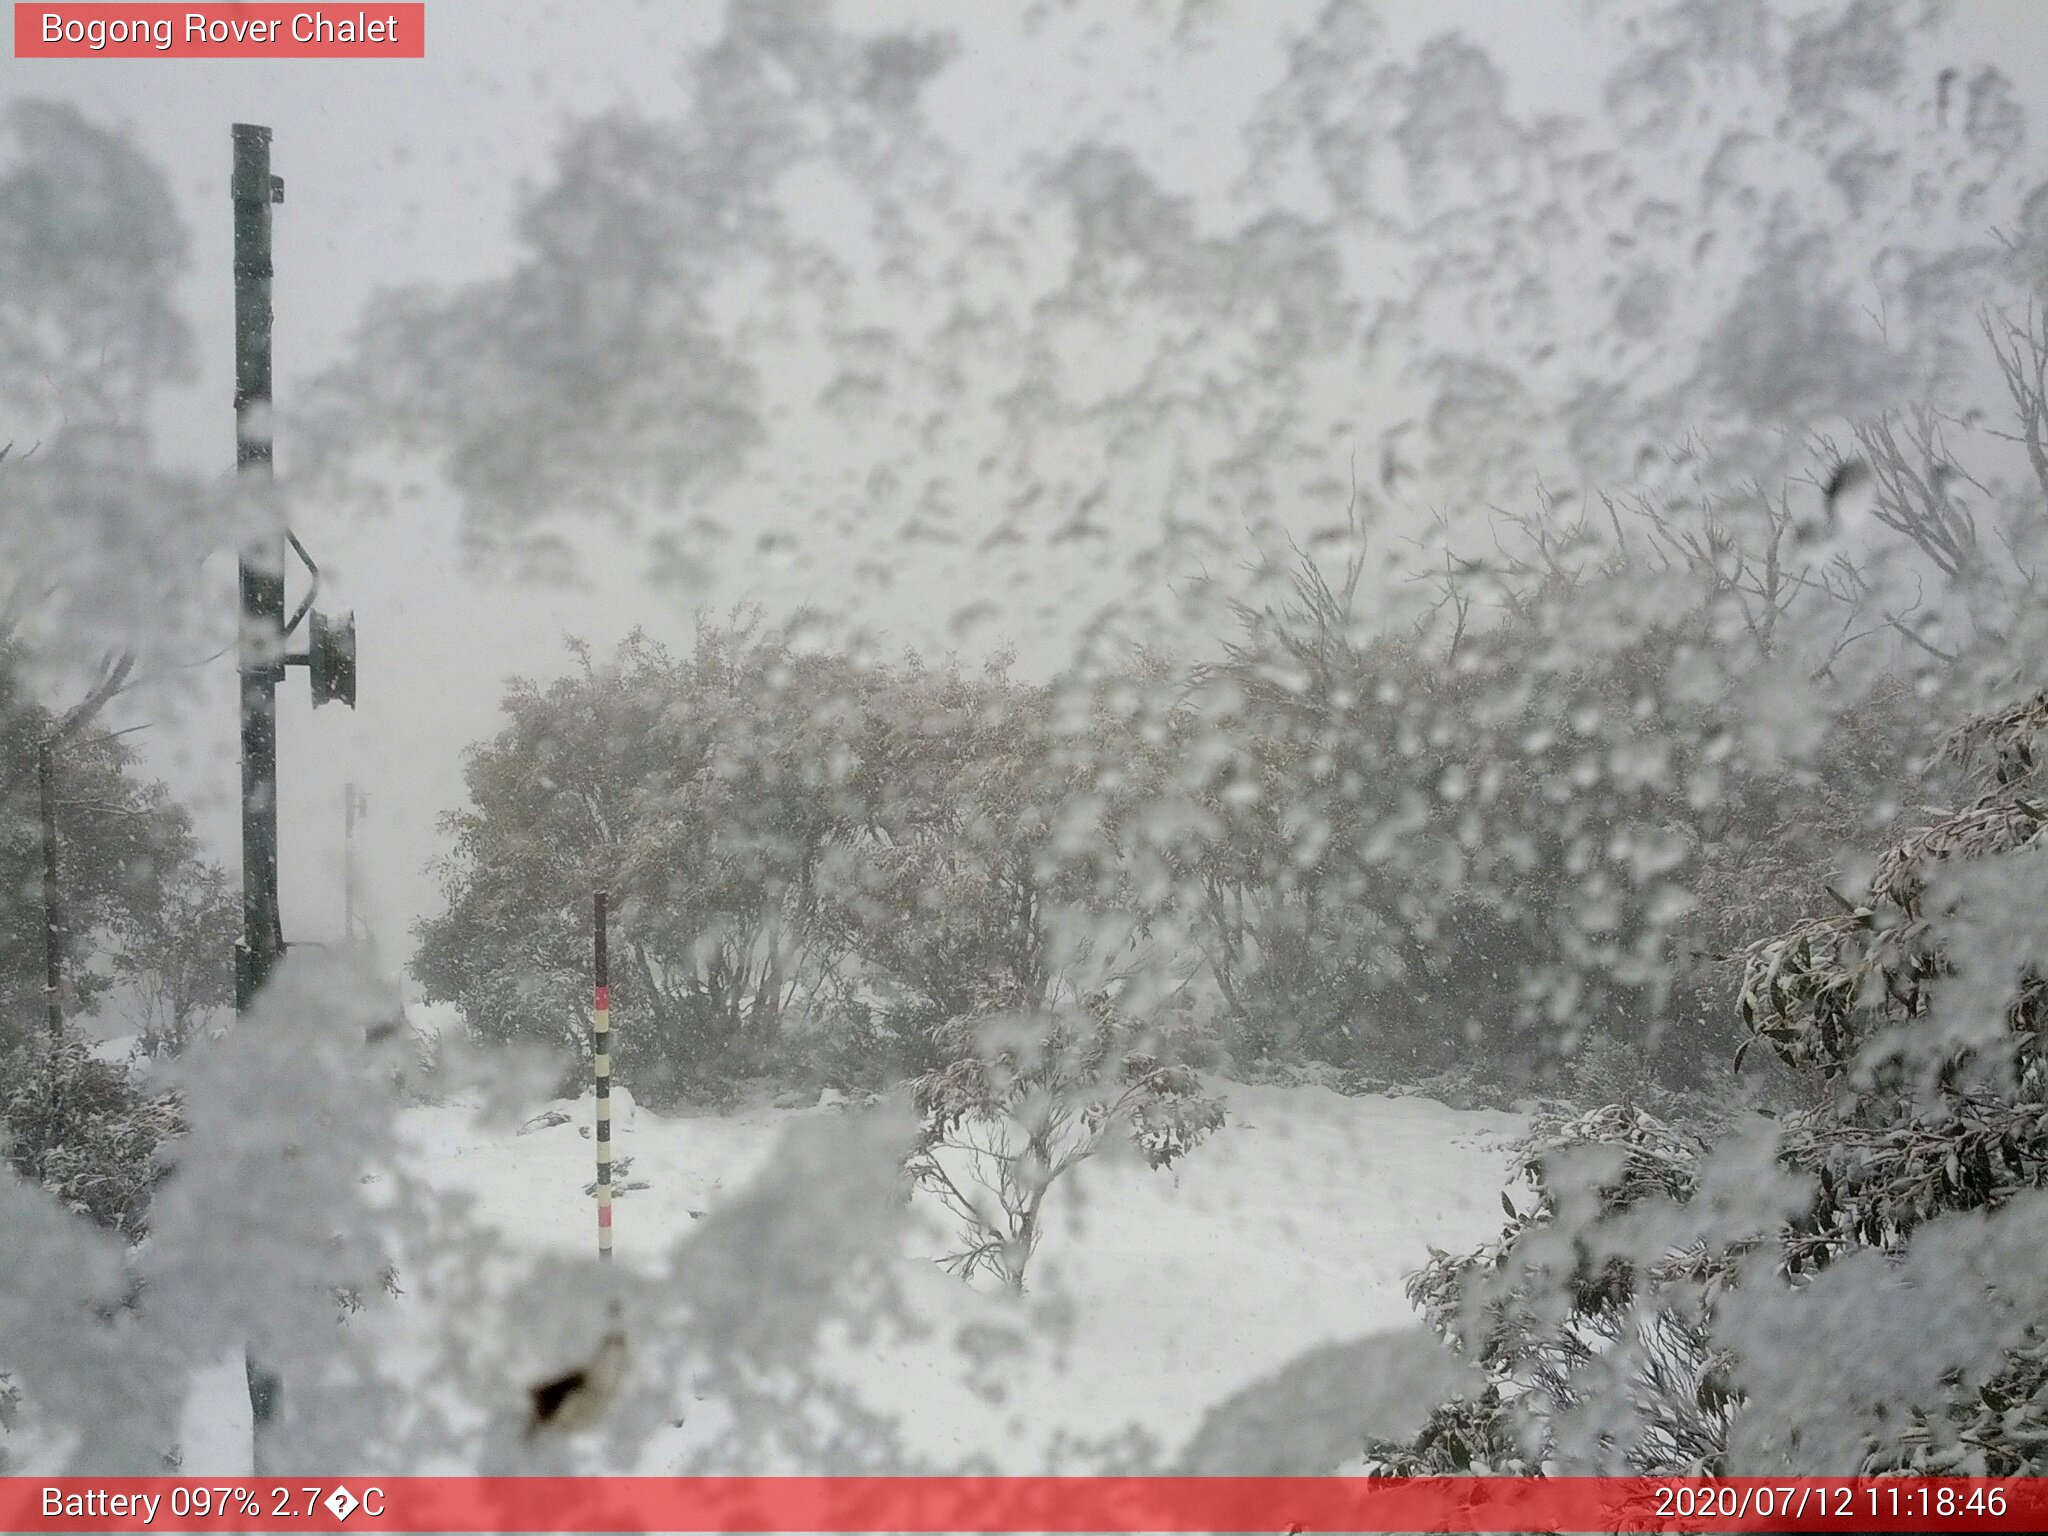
[{"x": 1311, "y": 734}]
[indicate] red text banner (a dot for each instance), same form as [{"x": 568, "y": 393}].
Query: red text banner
[
  {"x": 255, "y": 31},
  {"x": 1006, "y": 1504}
]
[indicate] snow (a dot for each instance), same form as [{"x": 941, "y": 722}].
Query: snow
[
  {"x": 115, "y": 1050},
  {"x": 214, "y": 1429},
  {"x": 1155, "y": 1295},
  {"x": 432, "y": 1020}
]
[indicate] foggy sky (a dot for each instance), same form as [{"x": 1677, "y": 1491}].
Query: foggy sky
[{"x": 411, "y": 171}]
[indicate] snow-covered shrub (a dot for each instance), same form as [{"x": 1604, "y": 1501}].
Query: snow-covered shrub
[
  {"x": 417, "y": 1073},
  {"x": 813, "y": 863},
  {"x": 1610, "y": 1070},
  {"x": 1557, "y": 1322},
  {"x": 1028, "y": 1097},
  {"x": 689, "y": 787},
  {"x": 1485, "y": 843},
  {"x": 78, "y": 1126},
  {"x": 942, "y": 889},
  {"x": 1635, "y": 1316},
  {"x": 1924, "y": 1007},
  {"x": 847, "y": 1044}
]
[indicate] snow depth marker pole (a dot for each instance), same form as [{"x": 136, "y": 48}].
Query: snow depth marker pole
[{"x": 602, "y": 1054}]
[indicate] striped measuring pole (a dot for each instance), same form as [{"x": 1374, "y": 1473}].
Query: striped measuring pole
[{"x": 602, "y": 1060}]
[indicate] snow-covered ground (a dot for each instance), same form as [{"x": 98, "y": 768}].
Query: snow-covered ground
[{"x": 1167, "y": 1290}]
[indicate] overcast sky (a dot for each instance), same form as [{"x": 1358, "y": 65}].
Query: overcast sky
[
  {"x": 395, "y": 173},
  {"x": 412, "y": 172}
]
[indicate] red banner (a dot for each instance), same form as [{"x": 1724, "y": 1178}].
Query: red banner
[
  {"x": 1006, "y": 1504},
  {"x": 257, "y": 31}
]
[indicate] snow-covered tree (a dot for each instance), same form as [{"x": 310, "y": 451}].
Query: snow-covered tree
[
  {"x": 137, "y": 905},
  {"x": 1028, "y": 1095}
]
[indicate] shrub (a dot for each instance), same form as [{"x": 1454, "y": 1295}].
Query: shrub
[
  {"x": 1628, "y": 1318},
  {"x": 1026, "y": 1099},
  {"x": 78, "y": 1126}
]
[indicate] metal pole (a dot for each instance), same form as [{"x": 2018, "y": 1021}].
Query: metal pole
[
  {"x": 254, "y": 189},
  {"x": 352, "y": 804},
  {"x": 261, "y": 664},
  {"x": 602, "y": 1062}
]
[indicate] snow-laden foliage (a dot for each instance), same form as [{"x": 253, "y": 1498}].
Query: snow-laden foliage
[
  {"x": 1558, "y": 1325},
  {"x": 1912, "y": 1183},
  {"x": 813, "y": 861},
  {"x": 79, "y": 1127},
  {"x": 101, "y": 878},
  {"x": 1026, "y": 1098},
  {"x": 1500, "y": 833},
  {"x": 138, "y": 908},
  {"x": 1388, "y": 853}
]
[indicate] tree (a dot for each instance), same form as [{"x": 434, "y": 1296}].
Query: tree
[
  {"x": 1028, "y": 1096},
  {"x": 1513, "y": 826},
  {"x": 789, "y": 839},
  {"x": 175, "y": 964},
  {"x": 91, "y": 246},
  {"x": 141, "y": 913},
  {"x": 129, "y": 875},
  {"x": 939, "y": 889},
  {"x": 66, "y": 730},
  {"x": 698, "y": 791},
  {"x": 100, "y": 544}
]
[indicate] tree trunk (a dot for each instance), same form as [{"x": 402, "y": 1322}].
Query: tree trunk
[
  {"x": 53, "y": 923},
  {"x": 53, "y": 946}
]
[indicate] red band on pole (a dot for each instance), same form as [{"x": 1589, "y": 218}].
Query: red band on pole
[{"x": 604, "y": 997}]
